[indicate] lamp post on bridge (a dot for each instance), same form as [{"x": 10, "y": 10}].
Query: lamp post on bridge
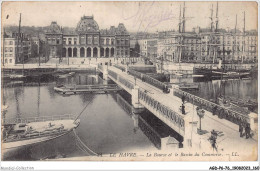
[{"x": 200, "y": 113}]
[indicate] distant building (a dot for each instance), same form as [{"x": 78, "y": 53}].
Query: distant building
[
  {"x": 134, "y": 48},
  {"x": 232, "y": 46},
  {"x": 87, "y": 40},
  {"x": 204, "y": 45},
  {"x": 36, "y": 46},
  {"x": 14, "y": 52},
  {"x": 148, "y": 47}
]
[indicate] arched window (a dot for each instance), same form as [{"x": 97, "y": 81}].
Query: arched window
[
  {"x": 112, "y": 52},
  {"x": 63, "y": 52},
  {"x": 69, "y": 52},
  {"x": 74, "y": 52},
  {"x": 95, "y": 52},
  {"x": 82, "y": 52},
  {"x": 107, "y": 52},
  {"x": 89, "y": 52},
  {"x": 102, "y": 52}
]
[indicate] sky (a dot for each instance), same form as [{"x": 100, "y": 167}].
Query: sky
[{"x": 136, "y": 16}]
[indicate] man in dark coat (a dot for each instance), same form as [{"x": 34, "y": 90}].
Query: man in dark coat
[
  {"x": 183, "y": 98},
  {"x": 183, "y": 109},
  {"x": 247, "y": 130},
  {"x": 213, "y": 140},
  {"x": 241, "y": 129}
]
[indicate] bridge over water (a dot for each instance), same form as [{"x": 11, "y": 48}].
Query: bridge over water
[{"x": 152, "y": 94}]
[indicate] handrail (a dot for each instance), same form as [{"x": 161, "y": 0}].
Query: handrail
[
  {"x": 112, "y": 74},
  {"x": 126, "y": 83},
  {"x": 119, "y": 67},
  {"x": 148, "y": 79},
  {"x": 168, "y": 113},
  {"x": 225, "y": 112}
]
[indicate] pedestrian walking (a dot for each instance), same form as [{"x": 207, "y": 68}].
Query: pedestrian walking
[
  {"x": 213, "y": 140},
  {"x": 183, "y": 98},
  {"x": 241, "y": 129},
  {"x": 183, "y": 109},
  {"x": 247, "y": 131}
]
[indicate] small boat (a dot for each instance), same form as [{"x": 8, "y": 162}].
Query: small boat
[
  {"x": 23, "y": 132},
  {"x": 66, "y": 75},
  {"x": 178, "y": 74},
  {"x": 190, "y": 86},
  {"x": 197, "y": 75},
  {"x": 72, "y": 73},
  {"x": 14, "y": 77}
]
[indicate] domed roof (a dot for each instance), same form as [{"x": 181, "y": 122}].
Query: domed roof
[
  {"x": 54, "y": 28},
  {"x": 87, "y": 24}
]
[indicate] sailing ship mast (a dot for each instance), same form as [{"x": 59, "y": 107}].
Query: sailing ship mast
[
  {"x": 234, "y": 47},
  {"x": 18, "y": 40},
  {"x": 217, "y": 18},
  {"x": 244, "y": 32},
  {"x": 180, "y": 30}
]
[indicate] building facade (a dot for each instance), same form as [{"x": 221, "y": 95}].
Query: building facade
[
  {"x": 14, "y": 52},
  {"x": 148, "y": 47},
  {"x": 205, "y": 46},
  {"x": 88, "y": 40}
]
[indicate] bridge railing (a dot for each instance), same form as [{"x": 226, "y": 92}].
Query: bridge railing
[
  {"x": 148, "y": 79},
  {"x": 174, "y": 117},
  {"x": 119, "y": 67},
  {"x": 112, "y": 74},
  {"x": 135, "y": 73},
  {"x": 121, "y": 79},
  {"x": 126, "y": 83},
  {"x": 154, "y": 82},
  {"x": 216, "y": 109}
]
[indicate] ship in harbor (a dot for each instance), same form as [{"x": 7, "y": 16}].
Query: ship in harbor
[
  {"x": 19, "y": 133},
  {"x": 218, "y": 73}
]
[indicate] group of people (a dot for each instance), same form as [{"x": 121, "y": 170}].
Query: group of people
[{"x": 246, "y": 128}]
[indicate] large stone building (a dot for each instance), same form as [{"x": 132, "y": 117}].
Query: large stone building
[
  {"x": 88, "y": 40},
  {"x": 205, "y": 46},
  {"x": 176, "y": 47}
]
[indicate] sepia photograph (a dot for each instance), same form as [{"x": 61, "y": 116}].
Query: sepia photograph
[{"x": 129, "y": 81}]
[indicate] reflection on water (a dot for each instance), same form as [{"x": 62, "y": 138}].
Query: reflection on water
[
  {"x": 211, "y": 89},
  {"x": 149, "y": 124},
  {"x": 108, "y": 124},
  {"x": 104, "y": 128}
]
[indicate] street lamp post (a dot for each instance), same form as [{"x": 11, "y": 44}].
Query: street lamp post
[{"x": 200, "y": 113}]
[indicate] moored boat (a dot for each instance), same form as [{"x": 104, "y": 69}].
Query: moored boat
[
  {"x": 22, "y": 132},
  {"x": 189, "y": 86}
]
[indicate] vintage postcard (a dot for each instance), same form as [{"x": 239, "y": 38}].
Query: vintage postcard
[{"x": 129, "y": 81}]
